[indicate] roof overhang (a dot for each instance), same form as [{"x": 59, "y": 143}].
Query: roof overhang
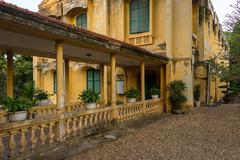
[{"x": 30, "y": 33}]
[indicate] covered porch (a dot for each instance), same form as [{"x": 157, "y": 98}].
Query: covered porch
[{"x": 27, "y": 33}]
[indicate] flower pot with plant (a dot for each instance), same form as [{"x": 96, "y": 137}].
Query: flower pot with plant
[
  {"x": 197, "y": 94},
  {"x": 41, "y": 98},
  {"x": 155, "y": 93},
  {"x": 132, "y": 95},
  {"x": 90, "y": 98},
  {"x": 177, "y": 97},
  {"x": 16, "y": 108}
]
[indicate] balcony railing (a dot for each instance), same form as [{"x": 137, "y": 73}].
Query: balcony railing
[{"x": 44, "y": 126}]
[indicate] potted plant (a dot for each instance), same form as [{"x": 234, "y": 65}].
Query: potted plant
[
  {"x": 155, "y": 92},
  {"x": 41, "y": 98},
  {"x": 90, "y": 98},
  {"x": 197, "y": 94},
  {"x": 16, "y": 108},
  {"x": 132, "y": 94},
  {"x": 177, "y": 97}
]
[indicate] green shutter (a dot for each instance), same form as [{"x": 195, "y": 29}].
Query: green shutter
[
  {"x": 81, "y": 21},
  {"x": 90, "y": 79},
  {"x": 139, "y": 16},
  {"x": 97, "y": 81}
]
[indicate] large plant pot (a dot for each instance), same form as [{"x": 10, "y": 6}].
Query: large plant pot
[
  {"x": 17, "y": 116},
  {"x": 176, "y": 111},
  {"x": 44, "y": 102},
  {"x": 91, "y": 105},
  {"x": 154, "y": 96},
  {"x": 198, "y": 104},
  {"x": 131, "y": 100}
]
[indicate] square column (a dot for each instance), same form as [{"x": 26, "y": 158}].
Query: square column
[
  {"x": 60, "y": 73},
  {"x": 162, "y": 83},
  {"x": 142, "y": 68},
  {"x": 104, "y": 84},
  {"x": 9, "y": 74},
  {"x": 67, "y": 98},
  {"x": 113, "y": 80}
]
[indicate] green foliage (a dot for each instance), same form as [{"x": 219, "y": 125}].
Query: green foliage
[
  {"x": 132, "y": 93},
  {"x": 154, "y": 91},
  {"x": 3, "y": 76},
  {"x": 89, "y": 96},
  {"x": 41, "y": 95},
  {"x": 177, "y": 97},
  {"x": 15, "y": 105},
  {"x": 197, "y": 92},
  {"x": 29, "y": 90}
]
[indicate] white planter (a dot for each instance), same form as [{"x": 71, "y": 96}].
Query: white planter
[
  {"x": 131, "y": 100},
  {"x": 91, "y": 105},
  {"x": 154, "y": 96},
  {"x": 44, "y": 102},
  {"x": 17, "y": 116},
  {"x": 198, "y": 104}
]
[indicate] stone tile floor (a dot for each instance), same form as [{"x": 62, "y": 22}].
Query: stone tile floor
[{"x": 208, "y": 133}]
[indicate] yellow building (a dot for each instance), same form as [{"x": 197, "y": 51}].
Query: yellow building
[{"x": 187, "y": 32}]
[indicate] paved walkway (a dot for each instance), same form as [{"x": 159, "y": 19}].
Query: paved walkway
[{"x": 210, "y": 133}]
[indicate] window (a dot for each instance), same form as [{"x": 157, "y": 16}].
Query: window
[
  {"x": 93, "y": 80},
  {"x": 54, "y": 82},
  {"x": 81, "y": 21},
  {"x": 139, "y": 16}
]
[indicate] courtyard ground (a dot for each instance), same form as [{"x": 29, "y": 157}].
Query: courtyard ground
[{"x": 211, "y": 133}]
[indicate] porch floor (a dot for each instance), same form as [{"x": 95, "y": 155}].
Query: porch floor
[{"x": 207, "y": 133}]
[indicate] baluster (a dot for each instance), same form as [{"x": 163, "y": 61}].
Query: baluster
[
  {"x": 23, "y": 141},
  {"x": 80, "y": 124},
  {"x": 86, "y": 124},
  {"x": 96, "y": 120},
  {"x": 74, "y": 126},
  {"x": 42, "y": 134},
  {"x": 51, "y": 134},
  {"x": 12, "y": 144},
  {"x": 101, "y": 120},
  {"x": 68, "y": 129},
  {"x": 91, "y": 123},
  {"x": 33, "y": 137},
  {"x": 1, "y": 146}
]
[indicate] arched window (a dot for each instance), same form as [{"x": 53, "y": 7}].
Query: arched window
[
  {"x": 81, "y": 21},
  {"x": 139, "y": 16}
]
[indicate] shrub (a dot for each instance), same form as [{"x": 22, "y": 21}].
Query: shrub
[
  {"x": 197, "y": 92},
  {"x": 89, "y": 96},
  {"x": 177, "y": 97},
  {"x": 41, "y": 95},
  {"x": 155, "y": 91},
  {"x": 132, "y": 93},
  {"x": 15, "y": 105}
]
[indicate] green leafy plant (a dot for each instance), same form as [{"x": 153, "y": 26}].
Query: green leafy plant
[
  {"x": 197, "y": 92},
  {"x": 177, "y": 97},
  {"x": 132, "y": 93},
  {"x": 17, "y": 104},
  {"x": 29, "y": 90},
  {"x": 41, "y": 95},
  {"x": 89, "y": 96},
  {"x": 155, "y": 91}
]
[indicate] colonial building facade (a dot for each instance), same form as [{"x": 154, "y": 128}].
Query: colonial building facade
[{"x": 187, "y": 32}]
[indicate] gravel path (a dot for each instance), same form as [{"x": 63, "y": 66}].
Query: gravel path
[{"x": 210, "y": 133}]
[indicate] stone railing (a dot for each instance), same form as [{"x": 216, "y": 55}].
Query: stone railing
[
  {"x": 42, "y": 111},
  {"x": 21, "y": 138},
  {"x": 154, "y": 106},
  {"x": 130, "y": 111},
  {"x": 75, "y": 106}
]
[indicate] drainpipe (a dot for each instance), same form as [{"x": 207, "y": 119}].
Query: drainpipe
[{"x": 207, "y": 84}]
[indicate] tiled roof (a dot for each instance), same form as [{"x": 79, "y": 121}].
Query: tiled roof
[{"x": 34, "y": 16}]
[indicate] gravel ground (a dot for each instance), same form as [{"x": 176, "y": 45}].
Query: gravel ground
[{"x": 209, "y": 134}]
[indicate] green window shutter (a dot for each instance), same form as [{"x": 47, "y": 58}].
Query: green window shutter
[
  {"x": 90, "y": 79},
  {"x": 54, "y": 82},
  {"x": 81, "y": 21},
  {"x": 97, "y": 81},
  {"x": 139, "y": 16}
]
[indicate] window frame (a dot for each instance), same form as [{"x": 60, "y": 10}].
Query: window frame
[
  {"x": 81, "y": 24},
  {"x": 94, "y": 79},
  {"x": 138, "y": 20}
]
